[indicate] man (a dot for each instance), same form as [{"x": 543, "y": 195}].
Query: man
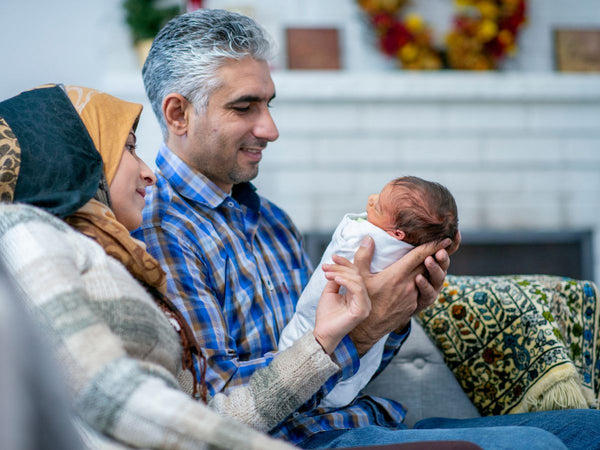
[{"x": 234, "y": 260}]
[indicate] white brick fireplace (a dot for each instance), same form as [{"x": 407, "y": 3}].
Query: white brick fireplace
[{"x": 520, "y": 151}]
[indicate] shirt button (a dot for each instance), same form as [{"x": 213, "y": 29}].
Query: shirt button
[
  {"x": 296, "y": 414},
  {"x": 230, "y": 204}
]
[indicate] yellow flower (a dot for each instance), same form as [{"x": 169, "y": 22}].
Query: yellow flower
[
  {"x": 505, "y": 37},
  {"x": 414, "y": 23},
  {"x": 488, "y": 9},
  {"x": 390, "y": 5},
  {"x": 487, "y": 31},
  {"x": 408, "y": 52},
  {"x": 371, "y": 6},
  {"x": 480, "y": 63}
]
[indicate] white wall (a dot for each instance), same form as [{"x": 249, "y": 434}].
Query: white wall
[
  {"x": 70, "y": 41},
  {"x": 520, "y": 150},
  {"x": 358, "y": 52},
  {"x": 84, "y": 41},
  {"x": 81, "y": 42}
]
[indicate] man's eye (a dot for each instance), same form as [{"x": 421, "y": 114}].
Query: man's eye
[{"x": 241, "y": 109}]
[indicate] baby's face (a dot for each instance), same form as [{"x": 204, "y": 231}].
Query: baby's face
[{"x": 380, "y": 209}]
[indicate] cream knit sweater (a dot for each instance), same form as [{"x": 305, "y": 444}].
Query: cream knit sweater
[{"x": 122, "y": 357}]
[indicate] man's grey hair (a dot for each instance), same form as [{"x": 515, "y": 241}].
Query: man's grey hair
[{"x": 188, "y": 51}]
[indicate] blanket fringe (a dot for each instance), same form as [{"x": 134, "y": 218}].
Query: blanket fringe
[{"x": 559, "y": 389}]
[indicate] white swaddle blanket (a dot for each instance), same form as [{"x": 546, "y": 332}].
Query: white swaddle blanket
[{"x": 345, "y": 241}]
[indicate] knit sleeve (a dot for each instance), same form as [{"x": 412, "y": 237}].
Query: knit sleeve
[
  {"x": 71, "y": 287},
  {"x": 275, "y": 391}
]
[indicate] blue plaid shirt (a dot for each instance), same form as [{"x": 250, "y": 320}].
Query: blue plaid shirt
[{"x": 235, "y": 268}]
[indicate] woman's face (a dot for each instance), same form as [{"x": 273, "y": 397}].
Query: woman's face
[{"x": 128, "y": 187}]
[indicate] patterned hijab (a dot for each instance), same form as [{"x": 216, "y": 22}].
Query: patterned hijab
[
  {"x": 60, "y": 147},
  {"x": 40, "y": 129}
]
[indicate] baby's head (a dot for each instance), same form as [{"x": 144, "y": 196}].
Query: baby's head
[{"x": 414, "y": 210}]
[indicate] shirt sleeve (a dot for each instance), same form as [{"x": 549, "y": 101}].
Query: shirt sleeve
[{"x": 189, "y": 285}]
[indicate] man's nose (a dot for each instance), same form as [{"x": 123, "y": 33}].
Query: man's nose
[{"x": 265, "y": 127}]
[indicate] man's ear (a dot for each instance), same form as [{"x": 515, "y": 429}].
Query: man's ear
[{"x": 175, "y": 109}]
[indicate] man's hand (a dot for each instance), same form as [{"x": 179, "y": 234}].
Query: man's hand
[
  {"x": 437, "y": 267},
  {"x": 400, "y": 290}
]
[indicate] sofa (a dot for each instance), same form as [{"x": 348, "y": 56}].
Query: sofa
[
  {"x": 564, "y": 311},
  {"x": 418, "y": 378}
]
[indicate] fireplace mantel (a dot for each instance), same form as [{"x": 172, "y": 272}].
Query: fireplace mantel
[
  {"x": 408, "y": 86},
  {"x": 437, "y": 86}
]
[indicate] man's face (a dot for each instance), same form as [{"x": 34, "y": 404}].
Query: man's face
[{"x": 226, "y": 143}]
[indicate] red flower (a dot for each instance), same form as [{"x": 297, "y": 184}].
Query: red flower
[
  {"x": 193, "y": 5},
  {"x": 396, "y": 37},
  {"x": 472, "y": 44},
  {"x": 495, "y": 48},
  {"x": 383, "y": 21}
]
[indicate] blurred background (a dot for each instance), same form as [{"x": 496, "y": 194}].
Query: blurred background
[{"x": 497, "y": 100}]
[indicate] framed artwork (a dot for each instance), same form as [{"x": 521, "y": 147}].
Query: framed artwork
[
  {"x": 313, "y": 49},
  {"x": 577, "y": 50}
]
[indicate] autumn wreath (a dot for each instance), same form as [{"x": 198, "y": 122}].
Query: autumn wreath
[{"x": 483, "y": 32}]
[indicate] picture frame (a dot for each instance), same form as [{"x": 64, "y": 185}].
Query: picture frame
[
  {"x": 313, "y": 49},
  {"x": 577, "y": 50}
]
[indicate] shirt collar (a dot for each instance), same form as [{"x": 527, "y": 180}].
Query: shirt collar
[{"x": 193, "y": 185}]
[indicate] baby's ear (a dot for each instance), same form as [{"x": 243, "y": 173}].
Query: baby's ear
[{"x": 399, "y": 234}]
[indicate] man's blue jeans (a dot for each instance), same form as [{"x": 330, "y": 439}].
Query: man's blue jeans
[{"x": 549, "y": 430}]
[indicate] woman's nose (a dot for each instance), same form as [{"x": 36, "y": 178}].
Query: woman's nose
[{"x": 147, "y": 175}]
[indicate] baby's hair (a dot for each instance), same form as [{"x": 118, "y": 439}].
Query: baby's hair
[{"x": 425, "y": 210}]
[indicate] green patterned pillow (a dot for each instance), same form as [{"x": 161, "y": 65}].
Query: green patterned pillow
[{"x": 519, "y": 343}]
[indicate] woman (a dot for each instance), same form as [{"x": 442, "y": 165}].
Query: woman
[{"x": 128, "y": 355}]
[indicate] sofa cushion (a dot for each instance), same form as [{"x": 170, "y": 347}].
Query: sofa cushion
[{"x": 419, "y": 379}]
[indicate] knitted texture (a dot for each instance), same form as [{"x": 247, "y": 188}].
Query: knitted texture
[{"x": 121, "y": 355}]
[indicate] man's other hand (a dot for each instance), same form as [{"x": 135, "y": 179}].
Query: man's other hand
[{"x": 400, "y": 290}]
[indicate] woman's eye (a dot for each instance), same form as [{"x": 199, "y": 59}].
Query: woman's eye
[{"x": 131, "y": 148}]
